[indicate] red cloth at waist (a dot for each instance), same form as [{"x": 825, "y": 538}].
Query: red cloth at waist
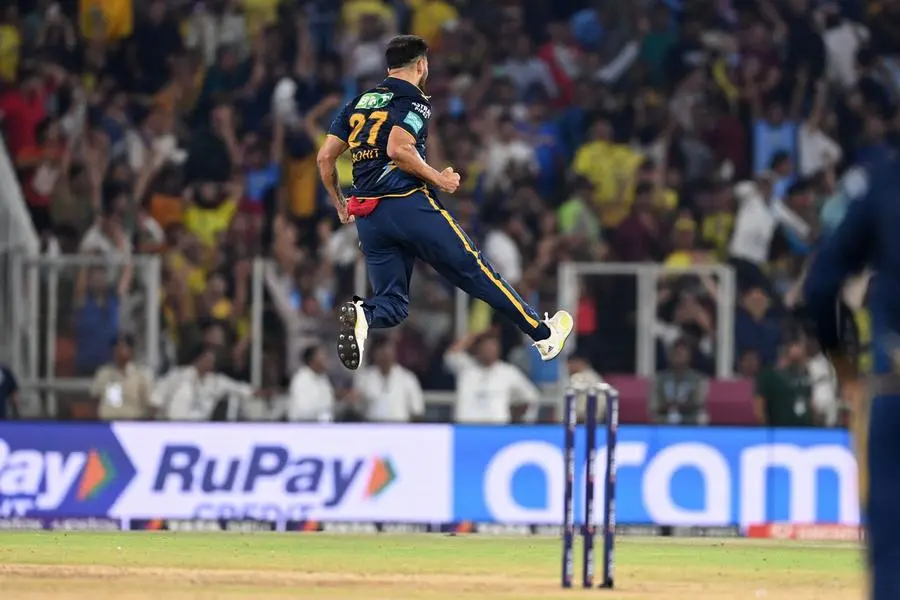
[{"x": 362, "y": 207}]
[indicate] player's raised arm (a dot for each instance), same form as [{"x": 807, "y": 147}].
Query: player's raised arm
[{"x": 401, "y": 149}]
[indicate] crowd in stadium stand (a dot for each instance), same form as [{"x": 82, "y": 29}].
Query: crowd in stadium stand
[{"x": 682, "y": 133}]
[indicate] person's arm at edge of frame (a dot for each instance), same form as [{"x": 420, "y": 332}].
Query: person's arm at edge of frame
[{"x": 845, "y": 252}]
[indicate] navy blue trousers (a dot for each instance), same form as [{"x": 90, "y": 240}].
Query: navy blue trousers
[
  {"x": 882, "y": 474},
  {"x": 402, "y": 229}
]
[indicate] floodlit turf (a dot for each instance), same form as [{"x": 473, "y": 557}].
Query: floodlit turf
[{"x": 178, "y": 566}]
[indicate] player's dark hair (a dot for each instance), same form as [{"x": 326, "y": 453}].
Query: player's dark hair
[{"x": 404, "y": 49}]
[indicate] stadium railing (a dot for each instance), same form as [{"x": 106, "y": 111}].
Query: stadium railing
[{"x": 18, "y": 239}]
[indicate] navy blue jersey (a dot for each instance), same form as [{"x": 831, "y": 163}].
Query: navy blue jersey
[
  {"x": 867, "y": 236},
  {"x": 365, "y": 123}
]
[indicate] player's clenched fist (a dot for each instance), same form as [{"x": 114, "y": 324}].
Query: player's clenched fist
[{"x": 449, "y": 181}]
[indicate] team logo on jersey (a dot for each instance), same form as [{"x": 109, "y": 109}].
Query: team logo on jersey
[
  {"x": 414, "y": 121},
  {"x": 374, "y": 100}
]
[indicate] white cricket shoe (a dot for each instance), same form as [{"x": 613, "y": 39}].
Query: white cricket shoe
[
  {"x": 354, "y": 331},
  {"x": 560, "y": 325}
]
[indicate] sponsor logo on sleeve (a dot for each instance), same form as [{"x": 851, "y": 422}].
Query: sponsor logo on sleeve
[{"x": 414, "y": 121}]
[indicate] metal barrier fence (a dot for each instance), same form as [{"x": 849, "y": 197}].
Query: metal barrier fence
[
  {"x": 41, "y": 311},
  {"x": 646, "y": 303},
  {"x": 73, "y": 314},
  {"x": 17, "y": 239},
  {"x": 633, "y": 296}
]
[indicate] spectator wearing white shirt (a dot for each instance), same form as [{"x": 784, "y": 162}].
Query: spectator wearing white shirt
[
  {"x": 501, "y": 249},
  {"x": 193, "y": 392},
  {"x": 364, "y": 52},
  {"x": 526, "y": 70},
  {"x": 215, "y": 25},
  {"x": 151, "y": 146},
  {"x": 507, "y": 150},
  {"x": 107, "y": 237},
  {"x": 390, "y": 392},
  {"x": 583, "y": 377},
  {"x": 122, "y": 388},
  {"x": 487, "y": 388},
  {"x": 754, "y": 228},
  {"x": 843, "y": 38},
  {"x": 817, "y": 150},
  {"x": 311, "y": 392},
  {"x": 826, "y": 400}
]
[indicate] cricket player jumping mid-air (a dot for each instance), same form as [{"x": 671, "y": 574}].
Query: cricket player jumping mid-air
[{"x": 398, "y": 216}]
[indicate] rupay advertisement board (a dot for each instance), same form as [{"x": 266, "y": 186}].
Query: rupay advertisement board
[{"x": 419, "y": 473}]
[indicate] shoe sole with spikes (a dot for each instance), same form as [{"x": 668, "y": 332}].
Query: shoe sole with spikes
[{"x": 347, "y": 345}]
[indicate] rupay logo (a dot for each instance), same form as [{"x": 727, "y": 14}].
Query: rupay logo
[
  {"x": 52, "y": 481},
  {"x": 381, "y": 477},
  {"x": 265, "y": 474}
]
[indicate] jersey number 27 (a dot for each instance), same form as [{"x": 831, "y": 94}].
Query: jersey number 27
[{"x": 358, "y": 122}]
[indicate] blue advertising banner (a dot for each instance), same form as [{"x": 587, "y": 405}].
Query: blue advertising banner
[
  {"x": 666, "y": 475},
  {"x": 419, "y": 473},
  {"x": 56, "y": 469}
]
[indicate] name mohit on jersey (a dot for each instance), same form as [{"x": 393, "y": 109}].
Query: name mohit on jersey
[{"x": 364, "y": 154}]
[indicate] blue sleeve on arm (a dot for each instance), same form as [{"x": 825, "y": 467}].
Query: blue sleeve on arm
[
  {"x": 845, "y": 252},
  {"x": 340, "y": 126},
  {"x": 412, "y": 117}
]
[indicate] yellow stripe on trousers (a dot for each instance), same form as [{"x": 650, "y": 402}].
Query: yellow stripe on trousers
[{"x": 465, "y": 242}]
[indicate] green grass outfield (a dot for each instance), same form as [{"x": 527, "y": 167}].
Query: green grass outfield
[{"x": 176, "y": 566}]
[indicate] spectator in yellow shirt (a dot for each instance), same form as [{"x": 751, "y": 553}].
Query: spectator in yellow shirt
[
  {"x": 210, "y": 212},
  {"x": 684, "y": 238},
  {"x": 610, "y": 167},
  {"x": 109, "y": 20},
  {"x": 10, "y": 43},
  {"x": 259, "y": 13},
  {"x": 430, "y": 17},
  {"x": 665, "y": 198},
  {"x": 353, "y": 10},
  {"x": 717, "y": 225}
]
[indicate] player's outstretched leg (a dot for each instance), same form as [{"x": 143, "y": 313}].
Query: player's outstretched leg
[
  {"x": 441, "y": 242},
  {"x": 352, "y": 335}
]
